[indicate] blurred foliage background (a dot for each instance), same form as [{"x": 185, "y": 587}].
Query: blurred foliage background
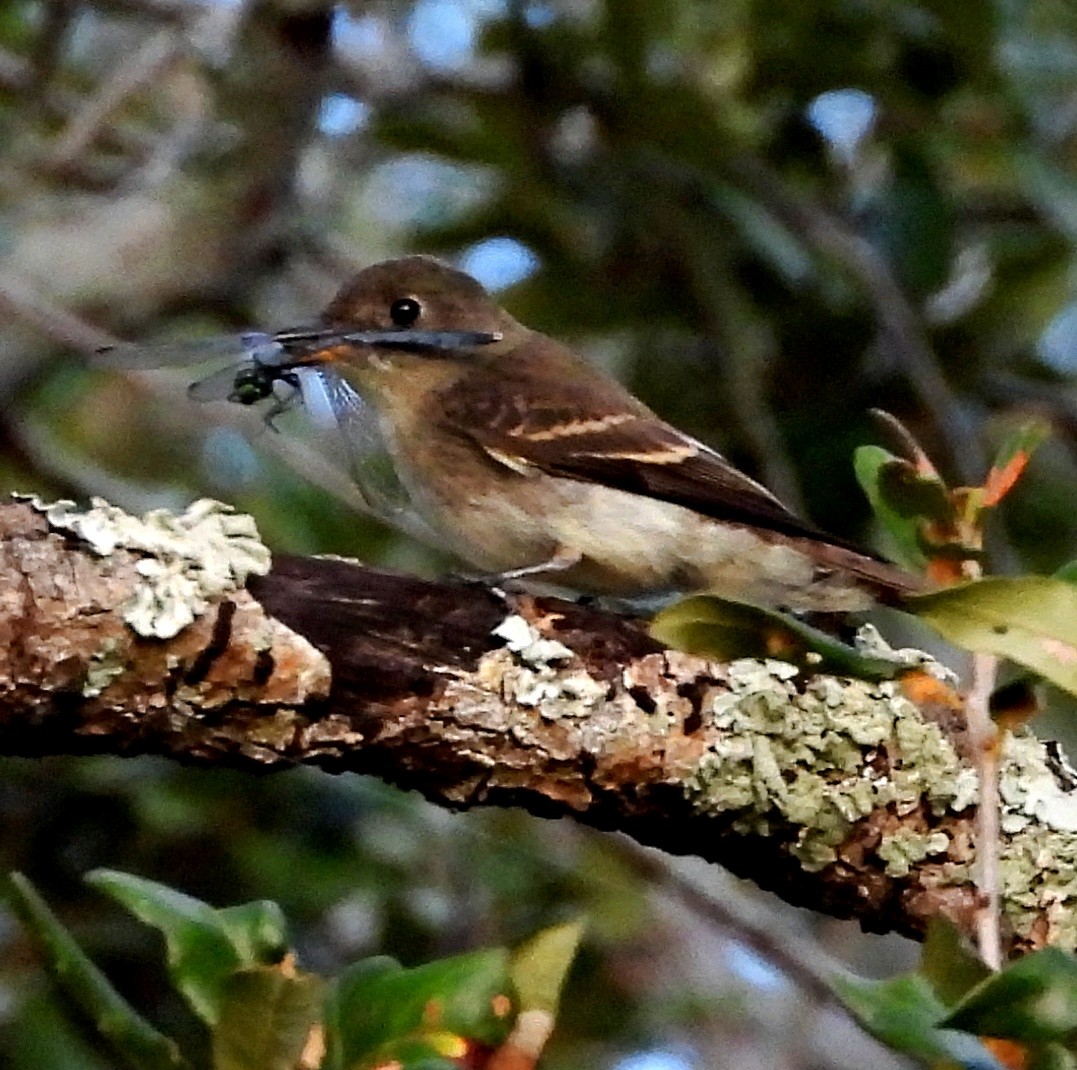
[{"x": 766, "y": 218}]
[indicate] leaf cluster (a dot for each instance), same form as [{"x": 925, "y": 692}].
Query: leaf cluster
[
  {"x": 954, "y": 1011},
  {"x": 234, "y": 968}
]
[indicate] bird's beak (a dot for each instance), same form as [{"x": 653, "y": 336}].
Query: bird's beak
[
  {"x": 429, "y": 340},
  {"x": 400, "y": 338}
]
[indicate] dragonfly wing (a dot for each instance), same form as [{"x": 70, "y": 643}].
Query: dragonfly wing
[
  {"x": 331, "y": 401},
  {"x": 275, "y": 349},
  {"x": 316, "y": 388},
  {"x": 249, "y": 344}
]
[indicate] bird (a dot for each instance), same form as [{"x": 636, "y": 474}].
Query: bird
[{"x": 527, "y": 462}]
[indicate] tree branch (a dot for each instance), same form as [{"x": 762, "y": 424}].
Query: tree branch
[{"x": 852, "y": 798}]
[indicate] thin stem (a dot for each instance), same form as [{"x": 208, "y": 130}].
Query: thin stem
[
  {"x": 803, "y": 962},
  {"x": 984, "y": 737},
  {"x": 144, "y": 66},
  {"x": 22, "y": 300}
]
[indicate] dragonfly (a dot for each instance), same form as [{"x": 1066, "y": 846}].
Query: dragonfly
[
  {"x": 260, "y": 364},
  {"x": 270, "y": 359}
]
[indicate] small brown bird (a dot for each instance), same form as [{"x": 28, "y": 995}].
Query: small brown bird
[{"x": 525, "y": 460}]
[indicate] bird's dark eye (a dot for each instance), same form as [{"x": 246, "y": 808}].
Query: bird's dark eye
[{"x": 405, "y": 311}]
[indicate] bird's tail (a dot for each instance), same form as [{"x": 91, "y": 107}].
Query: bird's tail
[{"x": 888, "y": 583}]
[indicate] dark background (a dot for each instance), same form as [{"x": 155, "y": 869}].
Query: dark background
[{"x": 767, "y": 218}]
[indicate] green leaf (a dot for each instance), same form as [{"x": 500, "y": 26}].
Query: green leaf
[
  {"x": 1016, "y": 700},
  {"x": 381, "y": 1012},
  {"x": 258, "y": 931},
  {"x": 539, "y": 967},
  {"x": 870, "y": 463},
  {"x": 44, "y": 1032},
  {"x": 344, "y": 1017},
  {"x": 1033, "y": 1000},
  {"x": 1029, "y": 619},
  {"x": 266, "y": 1018},
  {"x": 201, "y": 954},
  {"x": 949, "y": 964},
  {"x": 905, "y": 1013},
  {"x": 131, "y": 1037},
  {"x": 724, "y": 629},
  {"x": 1068, "y": 573}
]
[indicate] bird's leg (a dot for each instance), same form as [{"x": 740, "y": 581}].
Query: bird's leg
[
  {"x": 277, "y": 409},
  {"x": 562, "y": 560}
]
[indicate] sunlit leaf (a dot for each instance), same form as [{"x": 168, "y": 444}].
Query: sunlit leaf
[
  {"x": 723, "y": 629},
  {"x": 539, "y": 967},
  {"x": 266, "y": 1018},
  {"x": 1029, "y": 619},
  {"x": 132, "y": 1038},
  {"x": 351, "y": 1031},
  {"x": 258, "y": 931}
]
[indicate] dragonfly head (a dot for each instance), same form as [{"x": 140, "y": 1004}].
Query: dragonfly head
[{"x": 252, "y": 385}]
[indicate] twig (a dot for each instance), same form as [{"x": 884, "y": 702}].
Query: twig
[
  {"x": 735, "y": 329},
  {"x": 15, "y": 72},
  {"x": 173, "y": 12},
  {"x": 145, "y": 65},
  {"x": 903, "y": 438},
  {"x": 984, "y": 740},
  {"x": 808, "y": 966},
  {"x": 52, "y": 36},
  {"x": 832, "y": 236},
  {"x": 16, "y": 76},
  {"x": 21, "y": 299}
]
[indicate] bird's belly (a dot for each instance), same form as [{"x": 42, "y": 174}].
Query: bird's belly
[{"x": 630, "y": 545}]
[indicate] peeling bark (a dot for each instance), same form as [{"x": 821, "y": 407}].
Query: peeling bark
[{"x": 845, "y": 796}]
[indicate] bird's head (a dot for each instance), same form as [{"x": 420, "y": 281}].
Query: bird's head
[{"x": 421, "y": 300}]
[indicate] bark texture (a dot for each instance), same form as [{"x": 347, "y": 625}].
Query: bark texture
[{"x": 845, "y": 796}]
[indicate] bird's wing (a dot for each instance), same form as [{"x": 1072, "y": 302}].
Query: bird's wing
[{"x": 602, "y": 434}]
